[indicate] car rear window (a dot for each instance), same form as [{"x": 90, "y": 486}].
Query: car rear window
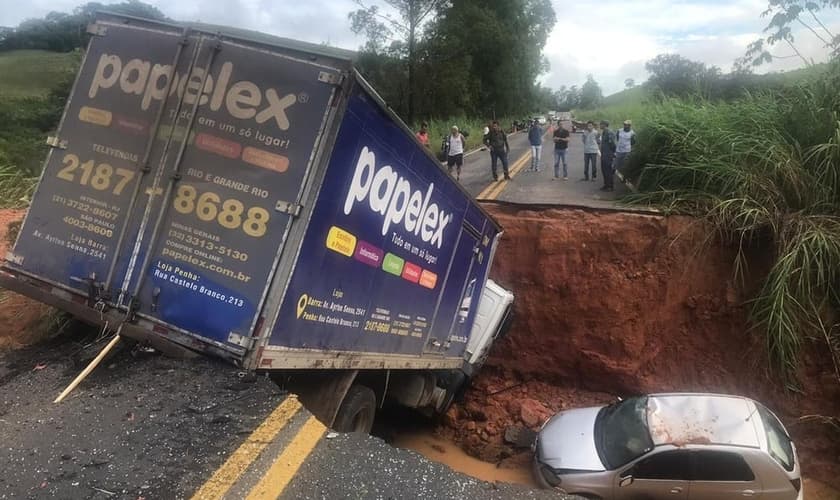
[{"x": 778, "y": 442}]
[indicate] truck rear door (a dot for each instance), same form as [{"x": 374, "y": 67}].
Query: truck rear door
[{"x": 170, "y": 193}]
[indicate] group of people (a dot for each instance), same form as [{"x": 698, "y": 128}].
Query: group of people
[
  {"x": 613, "y": 148},
  {"x": 454, "y": 144}
]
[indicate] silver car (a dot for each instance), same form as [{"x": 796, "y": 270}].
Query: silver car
[{"x": 669, "y": 446}]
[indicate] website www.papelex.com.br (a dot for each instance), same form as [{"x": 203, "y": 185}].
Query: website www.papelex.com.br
[{"x": 195, "y": 261}]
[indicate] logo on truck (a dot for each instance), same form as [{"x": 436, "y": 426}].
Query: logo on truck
[
  {"x": 392, "y": 196},
  {"x": 243, "y": 99}
]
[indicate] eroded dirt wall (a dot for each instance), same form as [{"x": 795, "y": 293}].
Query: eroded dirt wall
[{"x": 611, "y": 303}]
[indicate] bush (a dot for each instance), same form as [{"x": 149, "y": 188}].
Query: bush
[{"x": 764, "y": 167}]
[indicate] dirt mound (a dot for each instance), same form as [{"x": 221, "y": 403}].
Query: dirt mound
[
  {"x": 620, "y": 304},
  {"x": 22, "y": 320}
]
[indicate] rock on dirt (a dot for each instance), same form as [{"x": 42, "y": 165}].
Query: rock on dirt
[{"x": 616, "y": 304}]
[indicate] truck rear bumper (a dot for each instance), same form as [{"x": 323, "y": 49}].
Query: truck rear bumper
[{"x": 170, "y": 342}]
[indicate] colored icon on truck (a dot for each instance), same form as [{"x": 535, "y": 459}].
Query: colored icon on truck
[
  {"x": 393, "y": 264},
  {"x": 217, "y": 145},
  {"x": 339, "y": 240},
  {"x": 130, "y": 125},
  {"x": 369, "y": 254},
  {"x": 428, "y": 279},
  {"x": 95, "y": 116},
  {"x": 411, "y": 272},
  {"x": 264, "y": 159}
]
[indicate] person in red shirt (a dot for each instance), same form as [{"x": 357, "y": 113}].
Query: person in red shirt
[{"x": 423, "y": 134}]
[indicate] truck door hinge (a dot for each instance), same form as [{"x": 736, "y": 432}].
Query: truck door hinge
[
  {"x": 96, "y": 29},
  {"x": 288, "y": 207},
  {"x": 55, "y": 142},
  {"x": 241, "y": 340},
  {"x": 331, "y": 78}
]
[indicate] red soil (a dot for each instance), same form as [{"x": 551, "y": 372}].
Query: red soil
[{"x": 20, "y": 317}]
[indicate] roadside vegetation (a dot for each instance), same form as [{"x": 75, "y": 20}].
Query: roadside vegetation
[
  {"x": 30, "y": 107},
  {"x": 758, "y": 157}
]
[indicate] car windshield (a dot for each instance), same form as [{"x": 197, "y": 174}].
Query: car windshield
[
  {"x": 778, "y": 442},
  {"x": 621, "y": 432}
]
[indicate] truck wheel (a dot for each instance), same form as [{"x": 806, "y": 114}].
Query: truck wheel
[{"x": 357, "y": 411}]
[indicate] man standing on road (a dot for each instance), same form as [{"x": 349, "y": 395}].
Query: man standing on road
[
  {"x": 625, "y": 139},
  {"x": 535, "y": 134},
  {"x": 561, "y": 144},
  {"x": 607, "y": 155},
  {"x": 590, "y": 151},
  {"x": 497, "y": 141},
  {"x": 455, "y": 151}
]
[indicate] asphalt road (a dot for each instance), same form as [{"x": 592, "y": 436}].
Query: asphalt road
[{"x": 144, "y": 426}]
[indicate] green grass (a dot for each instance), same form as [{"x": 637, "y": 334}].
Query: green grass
[
  {"x": 16, "y": 187},
  {"x": 33, "y": 73},
  {"x": 636, "y": 94},
  {"x": 764, "y": 171}
]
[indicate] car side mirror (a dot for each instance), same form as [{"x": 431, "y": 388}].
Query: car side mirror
[{"x": 626, "y": 481}]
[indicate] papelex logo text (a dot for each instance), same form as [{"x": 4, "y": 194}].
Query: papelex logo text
[
  {"x": 243, "y": 99},
  {"x": 391, "y": 196}
]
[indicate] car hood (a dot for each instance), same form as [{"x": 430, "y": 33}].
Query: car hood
[{"x": 567, "y": 441}]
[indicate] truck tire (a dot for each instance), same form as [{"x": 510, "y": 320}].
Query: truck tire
[{"x": 357, "y": 410}]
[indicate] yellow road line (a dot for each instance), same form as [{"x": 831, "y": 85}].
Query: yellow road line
[
  {"x": 495, "y": 190},
  {"x": 236, "y": 464},
  {"x": 484, "y": 195},
  {"x": 283, "y": 469}
]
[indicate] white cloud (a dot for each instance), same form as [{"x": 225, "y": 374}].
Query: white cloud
[
  {"x": 610, "y": 39},
  {"x": 311, "y": 20}
]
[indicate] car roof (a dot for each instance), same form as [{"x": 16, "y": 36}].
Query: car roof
[{"x": 697, "y": 419}]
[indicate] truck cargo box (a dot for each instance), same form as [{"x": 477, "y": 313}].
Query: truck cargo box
[{"x": 250, "y": 197}]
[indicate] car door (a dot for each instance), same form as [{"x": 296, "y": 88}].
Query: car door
[
  {"x": 721, "y": 475},
  {"x": 663, "y": 475}
]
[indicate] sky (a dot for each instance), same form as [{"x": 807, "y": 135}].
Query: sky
[{"x": 610, "y": 39}]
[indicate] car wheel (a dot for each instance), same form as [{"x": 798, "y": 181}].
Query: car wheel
[{"x": 357, "y": 411}]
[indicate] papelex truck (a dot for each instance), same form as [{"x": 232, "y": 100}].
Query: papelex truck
[{"x": 250, "y": 197}]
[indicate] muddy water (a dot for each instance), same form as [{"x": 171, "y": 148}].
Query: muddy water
[{"x": 442, "y": 451}]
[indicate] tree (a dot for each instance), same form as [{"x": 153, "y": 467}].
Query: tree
[
  {"x": 629, "y": 83},
  {"x": 379, "y": 27},
  {"x": 590, "y": 94},
  {"x": 675, "y": 75},
  {"x": 784, "y": 14},
  {"x": 62, "y": 32}
]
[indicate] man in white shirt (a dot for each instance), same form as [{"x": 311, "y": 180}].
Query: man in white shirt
[
  {"x": 625, "y": 140},
  {"x": 455, "y": 151}
]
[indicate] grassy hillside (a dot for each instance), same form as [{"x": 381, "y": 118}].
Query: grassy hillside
[
  {"x": 636, "y": 94},
  {"x": 33, "y": 87},
  {"x": 632, "y": 103},
  {"x": 33, "y": 73}
]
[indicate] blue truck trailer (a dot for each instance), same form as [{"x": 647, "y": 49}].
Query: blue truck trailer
[{"x": 253, "y": 198}]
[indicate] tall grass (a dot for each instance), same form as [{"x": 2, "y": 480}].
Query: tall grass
[
  {"x": 16, "y": 187},
  {"x": 763, "y": 169}
]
